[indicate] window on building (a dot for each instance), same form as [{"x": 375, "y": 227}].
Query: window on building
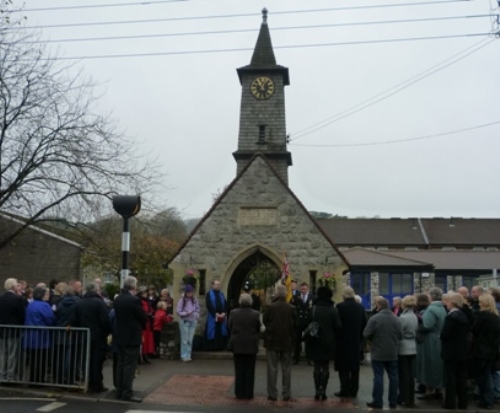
[
  {"x": 203, "y": 280},
  {"x": 395, "y": 284},
  {"x": 361, "y": 284},
  {"x": 262, "y": 134},
  {"x": 312, "y": 280},
  {"x": 383, "y": 283}
]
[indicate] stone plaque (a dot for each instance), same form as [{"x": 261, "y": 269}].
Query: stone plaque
[{"x": 258, "y": 216}]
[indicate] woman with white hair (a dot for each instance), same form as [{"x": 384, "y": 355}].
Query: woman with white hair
[
  {"x": 407, "y": 351},
  {"x": 429, "y": 363},
  {"x": 244, "y": 325}
]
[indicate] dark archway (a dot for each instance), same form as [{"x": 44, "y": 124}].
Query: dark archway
[{"x": 261, "y": 271}]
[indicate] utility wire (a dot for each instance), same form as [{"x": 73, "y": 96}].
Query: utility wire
[
  {"x": 316, "y": 26},
  {"x": 224, "y": 16},
  {"x": 395, "y": 89},
  {"x": 390, "y": 142},
  {"x": 245, "y": 49},
  {"x": 96, "y": 6}
]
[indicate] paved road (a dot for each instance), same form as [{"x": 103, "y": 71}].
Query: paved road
[{"x": 204, "y": 385}]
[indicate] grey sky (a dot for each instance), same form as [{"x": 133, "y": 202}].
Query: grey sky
[{"x": 185, "y": 108}]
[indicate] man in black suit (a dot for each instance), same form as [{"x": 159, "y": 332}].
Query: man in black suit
[
  {"x": 91, "y": 312},
  {"x": 12, "y": 312},
  {"x": 130, "y": 320},
  {"x": 303, "y": 302},
  {"x": 349, "y": 343}
]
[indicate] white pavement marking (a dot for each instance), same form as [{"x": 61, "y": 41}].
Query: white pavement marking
[
  {"x": 151, "y": 411},
  {"x": 51, "y": 406},
  {"x": 30, "y": 399}
]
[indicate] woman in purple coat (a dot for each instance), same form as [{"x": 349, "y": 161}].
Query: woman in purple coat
[{"x": 38, "y": 341}]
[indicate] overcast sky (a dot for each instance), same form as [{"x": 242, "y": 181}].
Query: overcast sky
[{"x": 184, "y": 108}]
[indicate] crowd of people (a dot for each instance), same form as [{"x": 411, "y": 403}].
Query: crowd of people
[
  {"x": 134, "y": 320},
  {"x": 428, "y": 344},
  {"x": 444, "y": 342},
  {"x": 436, "y": 345}
]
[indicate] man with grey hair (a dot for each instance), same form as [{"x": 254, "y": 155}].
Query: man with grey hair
[
  {"x": 385, "y": 332},
  {"x": 12, "y": 312},
  {"x": 280, "y": 320},
  {"x": 130, "y": 320},
  {"x": 244, "y": 326},
  {"x": 476, "y": 292},
  {"x": 92, "y": 313},
  {"x": 349, "y": 343}
]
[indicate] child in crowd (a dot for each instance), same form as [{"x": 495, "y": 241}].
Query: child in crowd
[{"x": 160, "y": 319}]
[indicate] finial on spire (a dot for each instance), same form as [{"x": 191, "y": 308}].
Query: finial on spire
[{"x": 264, "y": 15}]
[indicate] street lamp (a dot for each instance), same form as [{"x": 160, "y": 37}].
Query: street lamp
[{"x": 127, "y": 206}]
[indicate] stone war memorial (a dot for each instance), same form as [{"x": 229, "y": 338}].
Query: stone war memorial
[{"x": 257, "y": 219}]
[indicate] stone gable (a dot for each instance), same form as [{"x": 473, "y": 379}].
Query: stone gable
[{"x": 257, "y": 211}]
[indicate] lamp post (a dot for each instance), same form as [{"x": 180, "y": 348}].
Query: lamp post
[{"x": 127, "y": 206}]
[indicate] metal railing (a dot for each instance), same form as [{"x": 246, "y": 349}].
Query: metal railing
[{"x": 45, "y": 356}]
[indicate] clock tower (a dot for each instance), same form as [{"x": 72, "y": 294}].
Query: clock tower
[{"x": 262, "y": 113}]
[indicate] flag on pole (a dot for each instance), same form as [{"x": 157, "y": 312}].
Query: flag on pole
[{"x": 286, "y": 279}]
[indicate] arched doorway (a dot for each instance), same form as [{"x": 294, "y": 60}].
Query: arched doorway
[{"x": 261, "y": 271}]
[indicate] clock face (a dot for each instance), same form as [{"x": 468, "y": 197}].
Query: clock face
[{"x": 262, "y": 87}]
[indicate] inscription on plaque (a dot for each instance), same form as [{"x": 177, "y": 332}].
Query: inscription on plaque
[{"x": 257, "y": 216}]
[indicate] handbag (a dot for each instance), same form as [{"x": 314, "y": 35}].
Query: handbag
[{"x": 312, "y": 329}]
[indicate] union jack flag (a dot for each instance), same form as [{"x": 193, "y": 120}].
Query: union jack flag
[{"x": 286, "y": 279}]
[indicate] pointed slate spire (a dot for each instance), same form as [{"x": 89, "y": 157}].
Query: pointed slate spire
[{"x": 263, "y": 54}]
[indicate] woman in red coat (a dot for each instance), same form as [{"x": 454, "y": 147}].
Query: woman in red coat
[{"x": 148, "y": 343}]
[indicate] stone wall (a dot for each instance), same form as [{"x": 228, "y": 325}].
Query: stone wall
[{"x": 37, "y": 256}]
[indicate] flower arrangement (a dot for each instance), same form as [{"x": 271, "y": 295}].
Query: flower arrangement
[
  {"x": 189, "y": 277},
  {"x": 327, "y": 280}
]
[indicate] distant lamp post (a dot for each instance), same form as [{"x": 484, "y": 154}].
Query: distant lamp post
[{"x": 127, "y": 206}]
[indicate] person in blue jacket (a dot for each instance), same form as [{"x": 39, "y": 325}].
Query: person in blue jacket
[{"x": 37, "y": 342}]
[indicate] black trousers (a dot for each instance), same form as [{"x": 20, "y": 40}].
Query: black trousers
[
  {"x": 406, "y": 378},
  {"x": 97, "y": 356},
  {"x": 349, "y": 382},
  {"x": 297, "y": 348},
  {"x": 37, "y": 358},
  {"x": 244, "y": 373},
  {"x": 456, "y": 373},
  {"x": 125, "y": 370}
]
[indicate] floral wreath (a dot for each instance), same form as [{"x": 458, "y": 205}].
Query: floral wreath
[
  {"x": 328, "y": 280},
  {"x": 189, "y": 277}
]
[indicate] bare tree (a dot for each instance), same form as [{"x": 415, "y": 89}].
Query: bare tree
[{"x": 58, "y": 156}]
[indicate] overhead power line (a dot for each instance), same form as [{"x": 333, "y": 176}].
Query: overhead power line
[
  {"x": 392, "y": 90},
  {"x": 390, "y": 142},
  {"x": 97, "y": 6},
  {"x": 226, "y": 16},
  {"x": 316, "y": 26},
  {"x": 245, "y": 49}
]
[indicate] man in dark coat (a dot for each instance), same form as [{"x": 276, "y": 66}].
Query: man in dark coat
[
  {"x": 280, "y": 320},
  {"x": 130, "y": 320},
  {"x": 68, "y": 343},
  {"x": 91, "y": 312},
  {"x": 303, "y": 301},
  {"x": 216, "y": 325},
  {"x": 349, "y": 343},
  {"x": 454, "y": 352},
  {"x": 12, "y": 312},
  {"x": 244, "y": 325}
]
